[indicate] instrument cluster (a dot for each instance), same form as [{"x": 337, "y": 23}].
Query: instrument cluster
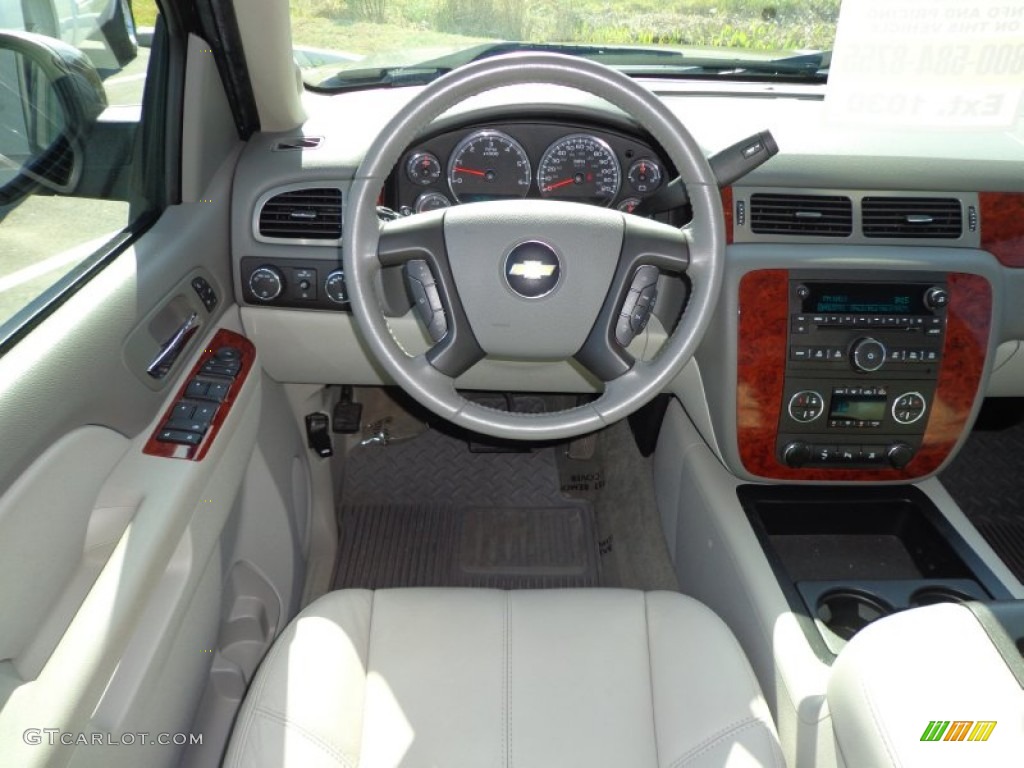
[{"x": 512, "y": 160}]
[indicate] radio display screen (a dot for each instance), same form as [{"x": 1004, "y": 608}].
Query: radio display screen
[
  {"x": 857, "y": 407},
  {"x": 864, "y": 299}
]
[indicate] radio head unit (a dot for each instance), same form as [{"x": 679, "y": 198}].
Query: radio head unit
[
  {"x": 897, "y": 299},
  {"x": 862, "y": 361}
]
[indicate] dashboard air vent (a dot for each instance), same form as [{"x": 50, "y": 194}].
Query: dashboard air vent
[
  {"x": 821, "y": 215},
  {"x": 912, "y": 217},
  {"x": 302, "y": 214},
  {"x": 300, "y": 143}
]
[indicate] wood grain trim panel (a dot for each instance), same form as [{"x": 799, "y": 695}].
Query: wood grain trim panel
[
  {"x": 1002, "y": 226},
  {"x": 728, "y": 207},
  {"x": 763, "y": 303},
  {"x": 223, "y": 338}
]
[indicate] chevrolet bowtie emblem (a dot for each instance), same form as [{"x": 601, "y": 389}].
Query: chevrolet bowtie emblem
[{"x": 532, "y": 270}]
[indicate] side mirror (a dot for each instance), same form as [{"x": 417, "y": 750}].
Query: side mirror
[{"x": 51, "y": 96}]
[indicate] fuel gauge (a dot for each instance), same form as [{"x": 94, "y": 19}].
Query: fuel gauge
[
  {"x": 628, "y": 205},
  {"x": 431, "y": 201}
]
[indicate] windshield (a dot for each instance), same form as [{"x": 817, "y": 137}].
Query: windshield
[{"x": 361, "y": 43}]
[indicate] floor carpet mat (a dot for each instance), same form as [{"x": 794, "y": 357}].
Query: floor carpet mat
[
  {"x": 986, "y": 481},
  {"x": 430, "y": 512}
]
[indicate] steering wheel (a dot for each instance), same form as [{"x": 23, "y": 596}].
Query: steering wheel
[{"x": 534, "y": 279}]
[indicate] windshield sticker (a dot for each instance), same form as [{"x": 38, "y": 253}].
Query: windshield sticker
[{"x": 937, "y": 64}]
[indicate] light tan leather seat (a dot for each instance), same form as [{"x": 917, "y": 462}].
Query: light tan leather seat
[{"x": 478, "y": 678}]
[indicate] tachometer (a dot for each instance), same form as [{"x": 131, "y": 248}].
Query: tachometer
[
  {"x": 488, "y": 165},
  {"x": 579, "y": 167}
]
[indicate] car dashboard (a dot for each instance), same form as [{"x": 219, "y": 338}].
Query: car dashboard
[{"x": 868, "y": 283}]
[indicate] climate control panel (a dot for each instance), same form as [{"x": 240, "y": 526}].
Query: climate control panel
[{"x": 306, "y": 284}]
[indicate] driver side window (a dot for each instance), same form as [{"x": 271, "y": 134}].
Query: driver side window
[{"x": 73, "y": 74}]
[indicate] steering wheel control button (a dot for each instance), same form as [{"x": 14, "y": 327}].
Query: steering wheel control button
[
  {"x": 908, "y": 408},
  {"x": 643, "y": 308},
  {"x": 868, "y": 355},
  {"x": 266, "y": 283},
  {"x": 532, "y": 269},
  {"x": 638, "y": 304},
  {"x": 426, "y": 299},
  {"x": 806, "y": 406}
]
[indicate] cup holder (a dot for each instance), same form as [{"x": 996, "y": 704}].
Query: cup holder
[
  {"x": 936, "y": 595},
  {"x": 847, "y": 611}
]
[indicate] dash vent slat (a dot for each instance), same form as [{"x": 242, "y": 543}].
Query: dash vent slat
[
  {"x": 819, "y": 215},
  {"x": 313, "y": 214},
  {"x": 912, "y": 217}
]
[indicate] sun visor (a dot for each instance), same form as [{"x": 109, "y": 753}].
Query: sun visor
[{"x": 929, "y": 65}]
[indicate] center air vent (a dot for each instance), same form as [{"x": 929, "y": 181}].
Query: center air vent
[
  {"x": 302, "y": 214},
  {"x": 821, "y": 215},
  {"x": 912, "y": 217}
]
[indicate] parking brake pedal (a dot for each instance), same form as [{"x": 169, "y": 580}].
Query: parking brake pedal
[
  {"x": 317, "y": 434},
  {"x": 347, "y": 418}
]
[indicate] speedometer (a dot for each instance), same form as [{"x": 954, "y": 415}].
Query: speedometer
[
  {"x": 579, "y": 167},
  {"x": 488, "y": 165}
]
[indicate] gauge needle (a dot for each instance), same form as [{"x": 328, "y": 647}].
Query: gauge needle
[
  {"x": 471, "y": 171},
  {"x": 558, "y": 184}
]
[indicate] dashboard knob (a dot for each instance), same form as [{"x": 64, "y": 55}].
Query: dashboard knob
[
  {"x": 867, "y": 355},
  {"x": 936, "y": 297},
  {"x": 899, "y": 455},
  {"x": 266, "y": 283},
  {"x": 796, "y": 454},
  {"x": 334, "y": 287}
]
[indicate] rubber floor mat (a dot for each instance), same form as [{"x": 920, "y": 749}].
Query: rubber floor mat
[
  {"x": 987, "y": 481},
  {"x": 429, "y": 512}
]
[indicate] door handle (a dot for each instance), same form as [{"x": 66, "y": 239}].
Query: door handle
[{"x": 173, "y": 347}]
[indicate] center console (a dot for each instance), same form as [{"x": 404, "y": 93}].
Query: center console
[
  {"x": 862, "y": 365},
  {"x": 855, "y": 374}
]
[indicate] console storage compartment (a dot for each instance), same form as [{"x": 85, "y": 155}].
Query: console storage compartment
[{"x": 846, "y": 556}]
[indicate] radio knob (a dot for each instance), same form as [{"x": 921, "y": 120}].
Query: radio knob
[
  {"x": 867, "y": 355},
  {"x": 936, "y": 298},
  {"x": 266, "y": 283},
  {"x": 899, "y": 455},
  {"x": 796, "y": 454}
]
